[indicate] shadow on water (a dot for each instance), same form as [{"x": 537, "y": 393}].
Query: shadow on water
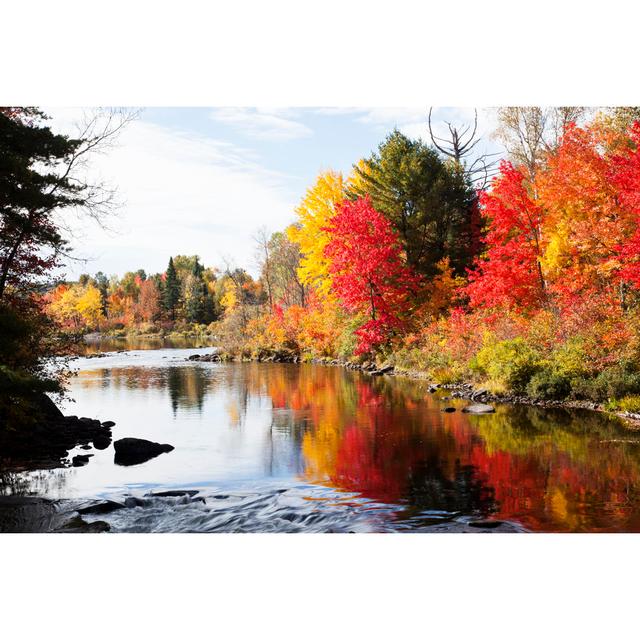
[{"x": 311, "y": 448}]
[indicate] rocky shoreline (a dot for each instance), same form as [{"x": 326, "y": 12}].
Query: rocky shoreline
[
  {"x": 47, "y": 442},
  {"x": 462, "y": 390}
]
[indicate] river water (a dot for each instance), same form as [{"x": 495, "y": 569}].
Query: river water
[{"x": 309, "y": 448}]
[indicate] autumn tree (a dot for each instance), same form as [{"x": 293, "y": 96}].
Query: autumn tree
[
  {"x": 148, "y": 306},
  {"x": 312, "y": 216},
  {"x": 510, "y": 272},
  {"x": 369, "y": 275}
]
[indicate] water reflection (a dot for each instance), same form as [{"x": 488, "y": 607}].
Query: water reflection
[{"x": 384, "y": 441}]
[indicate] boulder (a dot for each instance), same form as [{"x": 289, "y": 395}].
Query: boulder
[
  {"x": 130, "y": 451},
  {"x": 449, "y": 409},
  {"x": 479, "y": 408},
  {"x": 102, "y": 442},
  {"x": 48, "y": 407}
]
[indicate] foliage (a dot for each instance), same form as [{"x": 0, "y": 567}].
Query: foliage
[
  {"x": 313, "y": 215},
  {"x": 510, "y": 364},
  {"x": 367, "y": 270},
  {"x": 548, "y": 385}
]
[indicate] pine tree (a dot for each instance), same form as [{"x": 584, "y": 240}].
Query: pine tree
[{"x": 171, "y": 296}]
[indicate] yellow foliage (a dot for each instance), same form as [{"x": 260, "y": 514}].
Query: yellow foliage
[
  {"x": 89, "y": 306},
  {"x": 229, "y": 298},
  {"x": 314, "y": 213}
]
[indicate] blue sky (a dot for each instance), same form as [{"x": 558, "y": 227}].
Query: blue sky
[{"x": 204, "y": 180}]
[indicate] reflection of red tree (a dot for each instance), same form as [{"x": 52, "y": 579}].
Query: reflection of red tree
[
  {"x": 389, "y": 442},
  {"x": 363, "y": 467}
]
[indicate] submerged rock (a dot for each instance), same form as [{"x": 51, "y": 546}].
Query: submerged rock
[
  {"x": 383, "y": 370},
  {"x": 104, "y": 506},
  {"x": 174, "y": 494},
  {"x": 479, "y": 408},
  {"x": 130, "y": 451},
  {"x": 486, "y": 524},
  {"x": 78, "y": 525}
]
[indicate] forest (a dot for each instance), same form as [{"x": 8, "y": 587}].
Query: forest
[{"x": 522, "y": 275}]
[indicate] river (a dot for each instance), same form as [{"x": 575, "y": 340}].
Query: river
[{"x": 310, "y": 448}]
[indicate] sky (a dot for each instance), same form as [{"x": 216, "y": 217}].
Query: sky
[{"x": 205, "y": 180}]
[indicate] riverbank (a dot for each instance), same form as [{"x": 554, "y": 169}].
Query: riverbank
[{"x": 463, "y": 390}]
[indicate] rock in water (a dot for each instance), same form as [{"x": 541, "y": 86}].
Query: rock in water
[
  {"x": 479, "y": 408},
  {"x": 104, "y": 506},
  {"x": 130, "y": 451},
  {"x": 80, "y": 461},
  {"x": 449, "y": 409}
]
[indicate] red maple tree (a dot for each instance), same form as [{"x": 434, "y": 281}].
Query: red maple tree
[{"x": 369, "y": 274}]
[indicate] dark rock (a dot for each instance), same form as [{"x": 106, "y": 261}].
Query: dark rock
[
  {"x": 27, "y": 514},
  {"x": 173, "y": 494},
  {"x": 108, "y": 424},
  {"x": 80, "y": 461},
  {"x": 132, "y": 502},
  {"x": 104, "y": 506},
  {"x": 101, "y": 442},
  {"x": 432, "y": 389},
  {"x": 78, "y": 525},
  {"x": 449, "y": 409},
  {"x": 478, "y": 408},
  {"x": 86, "y": 447},
  {"x": 130, "y": 451},
  {"x": 486, "y": 524},
  {"x": 47, "y": 406}
]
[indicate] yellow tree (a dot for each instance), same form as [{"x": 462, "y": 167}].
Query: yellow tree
[
  {"x": 313, "y": 215},
  {"x": 63, "y": 305},
  {"x": 89, "y": 306}
]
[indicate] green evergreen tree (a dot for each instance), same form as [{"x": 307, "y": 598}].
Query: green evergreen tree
[
  {"x": 429, "y": 201},
  {"x": 171, "y": 296}
]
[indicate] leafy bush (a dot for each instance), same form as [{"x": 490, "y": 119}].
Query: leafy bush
[
  {"x": 630, "y": 404},
  {"x": 610, "y": 384},
  {"x": 570, "y": 360},
  {"x": 549, "y": 385},
  {"x": 509, "y": 364}
]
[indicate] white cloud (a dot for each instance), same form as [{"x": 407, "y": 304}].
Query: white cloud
[
  {"x": 264, "y": 124},
  {"x": 184, "y": 193}
]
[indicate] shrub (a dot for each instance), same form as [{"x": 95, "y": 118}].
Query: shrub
[
  {"x": 549, "y": 385},
  {"x": 610, "y": 384},
  {"x": 508, "y": 364},
  {"x": 630, "y": 404}
]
